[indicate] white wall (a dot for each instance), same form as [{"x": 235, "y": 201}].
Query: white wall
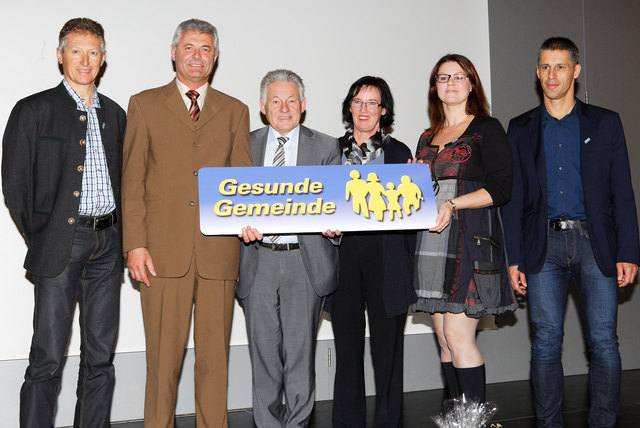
[{"x": 329, "y": 43}]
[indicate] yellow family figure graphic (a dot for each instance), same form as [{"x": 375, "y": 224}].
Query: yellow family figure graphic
[{"x": 358, "y": 189}]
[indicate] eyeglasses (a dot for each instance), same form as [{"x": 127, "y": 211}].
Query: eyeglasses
[
  {"x": 444, "y": 78},
  {"x": 371, "y": 105}
]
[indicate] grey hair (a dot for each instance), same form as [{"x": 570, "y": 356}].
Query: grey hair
[
  {"x": 199, "y": 26},
  {"x": 280, "y": 74}
]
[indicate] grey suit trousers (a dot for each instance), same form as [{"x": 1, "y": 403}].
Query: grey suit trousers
[{"x": 282, "y": 314}]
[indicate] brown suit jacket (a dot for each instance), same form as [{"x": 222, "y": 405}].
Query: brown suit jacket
[{"x": 163, "y": 152}]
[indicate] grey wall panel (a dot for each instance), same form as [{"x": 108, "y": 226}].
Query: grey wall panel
[
  {"x": 612, "y": 44},
  {"x": 516, "y": 30}
]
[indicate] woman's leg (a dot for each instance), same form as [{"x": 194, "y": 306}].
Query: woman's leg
[
  {"x": 460, "y": 336},
  {"x": 448, "y": 370}
]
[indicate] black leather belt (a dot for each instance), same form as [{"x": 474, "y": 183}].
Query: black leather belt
[
  {"x": 561, "y": 225},
  {"x": 98, "y": 223},
  {"x": 279, "y": 247}
]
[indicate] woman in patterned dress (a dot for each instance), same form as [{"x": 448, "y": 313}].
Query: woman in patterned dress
[{"x": 461, "y": 270}]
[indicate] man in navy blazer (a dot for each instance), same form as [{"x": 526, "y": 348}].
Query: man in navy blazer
[
  {"x": 283, "y": 279},
  {"x": 572, "y": 217}
]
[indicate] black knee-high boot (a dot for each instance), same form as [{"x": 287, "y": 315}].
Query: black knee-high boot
[
  {"x": 451, "y": 379},
  {"x": 472, "y": 382}
]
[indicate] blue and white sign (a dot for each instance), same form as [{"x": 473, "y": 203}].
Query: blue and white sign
[{"x": 299, "y": 199}]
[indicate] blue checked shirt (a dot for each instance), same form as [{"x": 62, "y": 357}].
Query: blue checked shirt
[{"x": 96, "y": 198}]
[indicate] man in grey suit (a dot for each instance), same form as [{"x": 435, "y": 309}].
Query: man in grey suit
[{"x": 283, "y": 279}]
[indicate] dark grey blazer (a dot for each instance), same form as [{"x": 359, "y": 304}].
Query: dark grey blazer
[
  {"x": 319, "y": 255},
  {"x": 42, "y": 148}
]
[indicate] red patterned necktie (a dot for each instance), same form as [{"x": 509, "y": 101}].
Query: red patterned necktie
[{"x": 194, "y": 110}]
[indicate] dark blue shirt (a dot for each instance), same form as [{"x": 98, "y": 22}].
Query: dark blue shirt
[{"x": 565, "y": 199}]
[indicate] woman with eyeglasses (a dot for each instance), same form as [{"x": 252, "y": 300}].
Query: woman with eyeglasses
[
  {"x": 461, "y": 269},
  {"x": 376, "y": 272}
]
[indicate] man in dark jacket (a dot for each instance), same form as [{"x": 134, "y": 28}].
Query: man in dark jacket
[
  {"x": 572, "y": 217},
  {"x": 61, "y": 161}
]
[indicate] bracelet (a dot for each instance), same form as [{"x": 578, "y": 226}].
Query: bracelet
[{"x": 453, "y": 205}]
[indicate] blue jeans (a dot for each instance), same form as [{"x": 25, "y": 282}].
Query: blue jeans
[{"x": 570, "y": 258}]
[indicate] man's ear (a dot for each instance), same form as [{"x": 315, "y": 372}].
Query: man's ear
[{"x": 576, "y": 71}]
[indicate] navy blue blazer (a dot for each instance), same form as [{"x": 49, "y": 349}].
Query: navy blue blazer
[{"x": 606, "y": 181}]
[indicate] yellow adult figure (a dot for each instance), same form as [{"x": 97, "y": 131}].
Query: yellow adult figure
[
  {"x": 357, "y": 188},
  {"x": 411, "y": 194},
  {"x": 377, "y": 205}
]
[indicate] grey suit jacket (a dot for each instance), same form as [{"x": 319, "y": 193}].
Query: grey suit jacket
[{"x": 319, "y": 254}]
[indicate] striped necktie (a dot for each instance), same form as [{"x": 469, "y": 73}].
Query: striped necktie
[
  {"x": 278, "y": 160},
  {"x": 194, "y": 110}
]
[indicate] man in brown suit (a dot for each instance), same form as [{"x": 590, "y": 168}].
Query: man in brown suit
[{"x": 172, "y": 132}]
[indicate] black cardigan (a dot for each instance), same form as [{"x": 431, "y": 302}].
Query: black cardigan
[{"x": 398, "y": 251}]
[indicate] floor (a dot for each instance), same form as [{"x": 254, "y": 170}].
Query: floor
[{"x": 514, "y": 401}]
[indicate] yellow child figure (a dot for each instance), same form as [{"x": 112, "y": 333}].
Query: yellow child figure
[{"x": 392, "y": 196}]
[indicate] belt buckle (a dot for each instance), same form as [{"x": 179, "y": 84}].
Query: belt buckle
[
  {"x": 101, "y": 222},
  {"x": 559, "y": 225},
  {"x": 97, "y": 222}
]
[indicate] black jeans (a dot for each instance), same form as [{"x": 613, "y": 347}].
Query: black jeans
[{"x": 92, "y": 277}]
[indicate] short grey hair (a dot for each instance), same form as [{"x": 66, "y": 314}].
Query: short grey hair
[
  {"x": 283, "y": 75},
  {"x": 199, "y": 26}
]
